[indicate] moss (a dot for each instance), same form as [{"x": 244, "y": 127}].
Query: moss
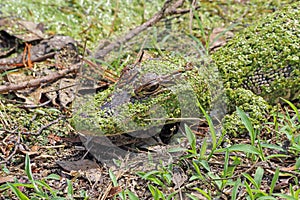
[
  {"x": 264, "y": 58},
  {"x": 268, "y": 51},
  {"x": 120, "y": 109},
  {"x": 32, "y": 120},
  {"x": 259, "y": 65},
  {"x": 256, "y": 107}
]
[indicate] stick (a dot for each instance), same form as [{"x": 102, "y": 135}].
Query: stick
[
  {"x": 39, "y": 81},
  {"x": 168, "y": 9}
]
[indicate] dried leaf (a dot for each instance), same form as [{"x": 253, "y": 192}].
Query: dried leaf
[
  {"x": 77, "y": 165},
  {"x": 219, "y": 37},
  {"x": 114, "y": 191},
  {"x": 53, "y": 139},
  {"x": 6, "y": 179},
  {"x": 179, "y": 177},
  {"x": 67, "y": 91}
]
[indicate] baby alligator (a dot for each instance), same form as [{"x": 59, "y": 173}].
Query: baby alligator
[{"x": 253, "y": 70}]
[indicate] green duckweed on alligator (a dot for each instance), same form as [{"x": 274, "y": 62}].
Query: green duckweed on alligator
[{"x": 254, "y": 69}]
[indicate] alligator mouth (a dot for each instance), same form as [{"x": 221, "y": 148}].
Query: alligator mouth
[{"x": 132, "y": 142}]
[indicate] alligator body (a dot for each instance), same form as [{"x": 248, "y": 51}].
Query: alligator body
[{"x": 253, "y": 70}]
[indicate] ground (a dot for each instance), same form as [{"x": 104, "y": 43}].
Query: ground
[{"x": 36, "y": 124}]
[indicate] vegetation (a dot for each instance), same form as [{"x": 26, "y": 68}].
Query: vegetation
[{"x": 261, "y": 164}]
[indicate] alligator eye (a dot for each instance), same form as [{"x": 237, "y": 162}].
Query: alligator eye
[
  {"x": 151, "y": 87},
  {"x": 147, "y": 89}
]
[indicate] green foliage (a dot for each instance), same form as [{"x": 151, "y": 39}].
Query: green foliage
[
  {"x": 162, "y": 178},
  {"x": 32, "y": 120},
  {"x": 246, "y": 121},
  {"x": 235, "y": 189},
  {"x": 40, "y": 188},
  {"x": 289, "y": 126},
  {"x": 255, "y": 150},
  {"x": 17, "y": 192},
  {"x": 84, "y": 20},
  {"x": 191, "y": 139},
  {"x": 251, "y": 49},
  {"x": 131, "y": 195},
  {"x": 274, "y": 180},
  {"x": 156, "y": 193},
  {"x": 201, "y": 162}
]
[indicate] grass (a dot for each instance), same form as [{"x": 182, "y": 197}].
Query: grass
[
  {"x": 201, "y": 170},
  {"x": 253, "y": 185},
  {"x": 37, "y": 189},
  {"x": 89, "y": 21},
  {"x": 252, "y": 168}
]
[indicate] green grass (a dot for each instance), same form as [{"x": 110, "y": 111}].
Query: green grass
[
  {"x": 90, "y": 21},
  {"x": 201, "y": 168},
  {"x": 211, "y": 167},
  {"x": 37, "y": 189}
]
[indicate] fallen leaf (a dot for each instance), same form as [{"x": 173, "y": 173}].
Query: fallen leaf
[
  {"x": 53, "y": 139},
  {"x": 34, "y": 29},
  {"x": 288, "y": 169},
  {"x": 35, "y": 148},
  {"x": 30, "y": 152},
  {"x": 114, "y": 191},
  {"x": 6, "y": 179},
  {"x": 83, "y": 165},
  {"x": 179, "y": 177},
  {"x": 73, "y": 139},
  {"x": 219, "y": 37},
  {"x": 67, "y": 91}
]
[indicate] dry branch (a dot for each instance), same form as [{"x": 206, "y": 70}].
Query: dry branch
[
  {"x": 169, "y": 8},
  {"x": 39, "y": 81}
]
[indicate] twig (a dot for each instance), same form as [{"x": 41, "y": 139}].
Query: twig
[
  {"x": 184, "y": 11},
  {"x": 47, "y": 126},
  {"x": 105, "y": 73},
  {"x": 5, "y": 65},
  {"x": 15, "y": 149},
  {"x": 35, "y": 106},
  {"x": 109, "y": 187},
  {"x": 169, "y": 8},
  {"x": 39, "y": 81}
]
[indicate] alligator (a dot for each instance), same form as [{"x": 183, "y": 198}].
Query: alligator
[{"x": 252, "y": 71}]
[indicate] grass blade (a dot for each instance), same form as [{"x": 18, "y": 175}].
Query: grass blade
[
  {"x": 246, "y": 148},
  {"x": 191, "y": 138},
  {"x": 274, "y": 180},
  {"x": 258, "y": 176},
  {"x": 225, "y": 171},
  {"x": 131, "y": 195},
  {"x": 70, "y": 189},
  {"x": 222, "y": 33},
  {"x": 293, "y": 107},
  {"x": 211, "y": 128},
  {"x": 247, "y": 176},
  {"x": 246, "y": 121},
  {"x": 17, "y": 192},
  {"x": 235, "y": 189},
  {"x": 203, "y": 149},
  {"x": 249, "y": 191},
  {"x": 205, "y": 194},
  {"x": 29, "y": 172},
  {"x": 113, "y": 178}
]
